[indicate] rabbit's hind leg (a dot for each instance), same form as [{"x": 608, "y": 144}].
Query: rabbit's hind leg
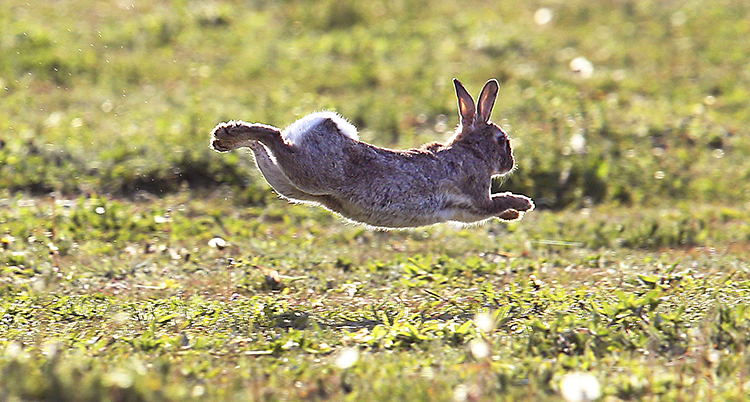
[
  {"x": 283, "y": 186},
  {"x": 237, "y": 134},
  {"x": 275, "y": 177}
]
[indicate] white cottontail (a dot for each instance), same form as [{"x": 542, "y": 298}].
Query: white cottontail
[{"x": 319, "y": 159}]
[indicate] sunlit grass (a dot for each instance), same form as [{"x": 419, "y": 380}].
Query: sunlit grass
[{"x": 136, "y": 299}]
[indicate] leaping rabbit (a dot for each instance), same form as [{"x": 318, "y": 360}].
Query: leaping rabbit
[{"x": 320, "y": 160}]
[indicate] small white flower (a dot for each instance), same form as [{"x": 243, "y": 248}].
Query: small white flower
[
  {"x": 160, "y": 219},
  {"x": 479, "y": 349},
  {"x": 99, "y": 210},
  {"x": 578, "y": 143},
  {"x": 580, "y": 387},
  {"x": 582, "y": 66},
  {"x": 543, "y": 16},
  {"x": 198, "y": 391},
  {"x": 347, "y": 358},
  {"x": 217, "y": 242},
  {"x": 484, "y": 322},
  {"x": 461, "y": 393}
]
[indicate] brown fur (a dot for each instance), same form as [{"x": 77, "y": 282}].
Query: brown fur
[{"x": 324, "y": 163}]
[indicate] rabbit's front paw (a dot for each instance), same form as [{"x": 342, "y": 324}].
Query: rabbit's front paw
[
  {"x": 523, "y": 203},
  {"x": 518, "y": 202},
  {"x": 510, "y": 207}
]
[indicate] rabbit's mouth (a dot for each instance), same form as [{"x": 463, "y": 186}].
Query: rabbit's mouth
[{"x": 505, "y": 165}]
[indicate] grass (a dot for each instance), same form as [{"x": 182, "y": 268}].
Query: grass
[
  {"x": 131, "y": 301},
  {"x": 633, "y": 269}
]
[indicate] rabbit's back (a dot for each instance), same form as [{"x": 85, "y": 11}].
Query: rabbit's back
[{"x": 296, "y": 132}]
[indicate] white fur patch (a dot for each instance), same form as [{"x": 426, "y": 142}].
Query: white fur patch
[{"x": 301, "y": 127}]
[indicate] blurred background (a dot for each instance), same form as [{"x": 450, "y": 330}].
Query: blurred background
[{"x": 617, "y": 101}]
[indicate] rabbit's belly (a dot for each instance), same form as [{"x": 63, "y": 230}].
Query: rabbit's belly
[
  {"x": 390, "y": 220},
  {"x": 458, "y": 208},
  {"x": 462, "y": 215},
  {"x": 394, "y": 213}
]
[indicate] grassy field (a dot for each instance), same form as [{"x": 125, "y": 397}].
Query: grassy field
[{"x": 138, "y": 265}]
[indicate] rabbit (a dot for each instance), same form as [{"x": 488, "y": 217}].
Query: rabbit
[{"x": 319, "y": 159}]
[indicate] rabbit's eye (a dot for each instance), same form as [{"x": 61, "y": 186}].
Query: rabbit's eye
[{"x": 500, "y": 136}]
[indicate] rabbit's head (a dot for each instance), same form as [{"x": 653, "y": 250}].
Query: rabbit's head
[{"x": 477, "y": 132}]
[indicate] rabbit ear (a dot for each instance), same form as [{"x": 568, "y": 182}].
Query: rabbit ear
[
  {"x": 487, "y": 100},
  {"x": 466, "y": 108}
]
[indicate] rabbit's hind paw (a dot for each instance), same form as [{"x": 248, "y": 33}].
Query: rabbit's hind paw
[
  {"x": 509, "y": 215},
  {"x": 227, "y": 136}
]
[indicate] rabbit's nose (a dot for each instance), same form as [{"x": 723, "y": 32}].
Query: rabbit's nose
[{"x": 506, "y": 165}]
